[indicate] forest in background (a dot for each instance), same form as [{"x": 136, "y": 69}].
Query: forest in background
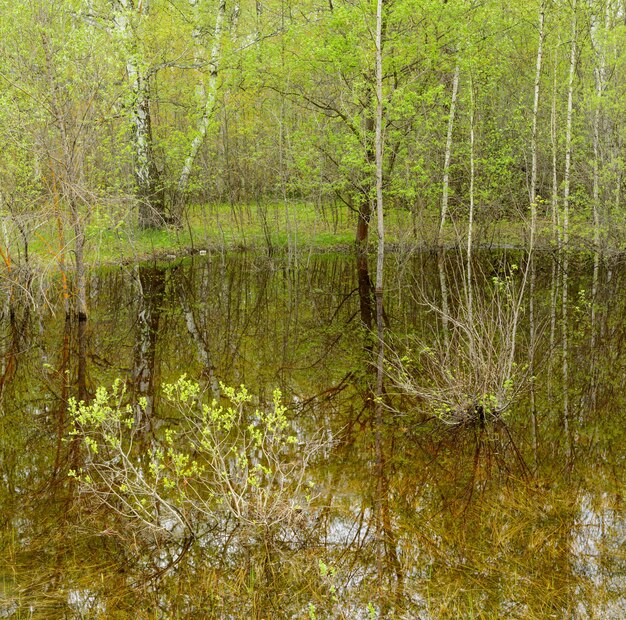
[{"x": 124, "y": 113}]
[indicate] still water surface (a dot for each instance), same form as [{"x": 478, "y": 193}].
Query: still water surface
[{"x": 518, "y": 518}]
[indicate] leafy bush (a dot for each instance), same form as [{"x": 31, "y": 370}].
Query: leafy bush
[{"x": 212, "y": 462}]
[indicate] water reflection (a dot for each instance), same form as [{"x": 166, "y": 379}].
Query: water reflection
[
  {"x": 521, "y": 518},
  {"x": 150, "y": 283}
]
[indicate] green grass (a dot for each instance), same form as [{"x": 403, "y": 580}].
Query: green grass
[{"x": 274, "y": 227}]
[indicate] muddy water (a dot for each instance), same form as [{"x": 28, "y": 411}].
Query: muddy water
[{"x": 520, "y": 517}]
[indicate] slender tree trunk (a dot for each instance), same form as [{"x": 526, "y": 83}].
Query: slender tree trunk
[
  {"x": 365, "y": 206},
  {"x": 556, "y": 234},
  {"x": 81, "y": 376},
  {"x": 596, "y": 167},
  {"x": 363, "y": 222},
  {"x": 568, "y": 128},
  {"x": 593, "y": 370},
  {"x": 599, "y": 77},
  {"x": 380, "y": 256},
  {"x": 151, "y": 283},
  {"x": 448, "y": 155},
  {"x": 379, "y": 150},
  {"x": 79, "y": 254},
  {"x": 554, "y": 301},
  {"x": 566, "y": 195},
  {"x": 209, "y": 93},
  {"x": 149, "y": 194},
  {"x": 599, "y": 74},
  {"x": 618, "y": 180},
  {"x": 470, "y": 223},
  {"x": 291, "y": 238},
  {"x": 533, "y": 176},
  {"x": 445, "y": 306},
  {"x": 533, "y": 229}
]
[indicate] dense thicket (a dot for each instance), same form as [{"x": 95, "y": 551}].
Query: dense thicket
[{"x": 134, "y": 109}]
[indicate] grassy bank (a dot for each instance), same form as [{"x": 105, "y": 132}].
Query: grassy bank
[{"x": 270, "y": 228}]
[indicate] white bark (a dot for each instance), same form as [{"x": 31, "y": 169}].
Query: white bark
[
  {"x": 201, "y": 345},
  {"x": 596, "y": 161},
  {"x": 209, "y": 92},
  {"x": 568, "y": 128},
  {"x": 144, "y": 168},
  {"x": 533, "y": 176},
  {"x": 533, "y": 223},
  {"x": 379, "y": 276},
  {"x": 599, "y": 76},
  {"x": 379, "y": 150},
  {"x": 448, "y": 153},
  {"x": 380, "y": 257},
  {"x": 553, "y": 139},
  {"x": 566, "y": 192}
]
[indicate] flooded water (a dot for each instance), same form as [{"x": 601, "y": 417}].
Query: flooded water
[{"x": 519, "y": 515}]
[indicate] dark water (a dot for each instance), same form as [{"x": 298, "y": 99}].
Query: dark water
[{"x": 520, "y": 517}]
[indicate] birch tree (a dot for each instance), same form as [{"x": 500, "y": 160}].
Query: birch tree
[
  {"x": 380, "y": 263},
  {"x": 148, "y": 183},
  {"x": 208, "y": 92},
  {"x": 445, "y": 184},
  {"x": 566, "y": 199},
  {"x": 599, "y": 30},
  {"x": 535, "y": 120},
  {"x": 533, "y": 215}
]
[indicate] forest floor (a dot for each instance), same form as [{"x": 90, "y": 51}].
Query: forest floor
[{"x": 282, "y": 227}]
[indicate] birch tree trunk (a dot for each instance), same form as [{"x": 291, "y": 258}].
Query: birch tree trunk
[
  {"x": 149, "y": 194},
  {"x": 379, "y": 150},
  {"x": 566, "y": 195},
  {"x": 533, "y": 175},
  {"x": 599, "y": 75},
  {"x": 380, "y": 256},
  {"x": 599, "y": 78},
  {"x": 568, "y": 128},
  {"x": 209, "y": 93},
  {"x": 533, "y": 227},
  {"x": 556, "y": 234},
  {"x": 448, "y": 154}
]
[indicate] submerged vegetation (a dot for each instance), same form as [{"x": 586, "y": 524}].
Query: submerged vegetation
[
  {"x": 435, "y": 434},
  {"x": 471, "y": 368},
  {"x": 436, "y": 521}
]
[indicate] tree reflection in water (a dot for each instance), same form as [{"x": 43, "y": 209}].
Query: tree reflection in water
[{"x": 495, "y": 520}]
